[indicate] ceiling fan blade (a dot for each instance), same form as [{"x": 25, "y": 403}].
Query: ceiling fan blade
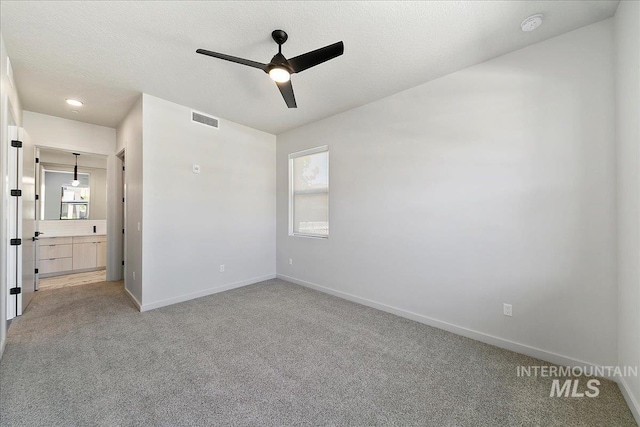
[
  {"x": 315, "y": 57},
  {"x": 235, "y": 59},
  {"x": 287, "y": 93}
]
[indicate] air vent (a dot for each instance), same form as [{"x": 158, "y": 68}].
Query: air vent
[{"x": 203, "y": 119}]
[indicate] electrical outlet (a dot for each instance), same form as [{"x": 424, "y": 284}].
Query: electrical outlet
[
  {"x": 507, "y": 310},
  {"x": 221, "y": 268},
  {"x": 290, "y": 261}
]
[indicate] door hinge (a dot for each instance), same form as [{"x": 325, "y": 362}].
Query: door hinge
[
  {"x": 16, "y": 143},
  {"x": 122, "y": 262},
  {"x": 36, "y": 271},
  {"x": 123, "y": 231},
  {"x": 16, "y": 193},
  {"x": 37, "y": 160},
  {"x": 123, "y": 168},
  {"x": 37, "y": 233},
  {"x": 16, "y": 242},
  {"x": 123, "y": 200},
  {"x": 15, "y": 291},
  {"x": 37, "y": 197}
]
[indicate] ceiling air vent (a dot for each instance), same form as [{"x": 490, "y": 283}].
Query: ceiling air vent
[{"x": 203, "y": 119}]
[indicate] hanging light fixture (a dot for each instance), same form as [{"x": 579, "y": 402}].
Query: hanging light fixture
[{"x": 75, "y": 181}]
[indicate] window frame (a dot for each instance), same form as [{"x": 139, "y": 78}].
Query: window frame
[{"x": 292, "y": 157}]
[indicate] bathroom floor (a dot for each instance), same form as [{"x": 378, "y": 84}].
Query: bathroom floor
[{"x": 72, "y": 280}]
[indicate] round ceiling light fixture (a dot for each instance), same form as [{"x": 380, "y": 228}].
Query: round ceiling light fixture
[
  {"x": 531, "y": 23},
  {"x": 74, "y": 102}
]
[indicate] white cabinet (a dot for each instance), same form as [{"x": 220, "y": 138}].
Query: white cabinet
[
  {"x": 89, "y": 252},
  {"x": 65, "y": 255},
  {"x": 56, "y": 251},
  {"x": 84, "y": 255},
  {"x": 55, "y": 255},
  {"x": 55, "y": 265},
  {"x": 101, "y": 254}
]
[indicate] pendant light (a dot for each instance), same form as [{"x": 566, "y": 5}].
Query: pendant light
[{"x": 75, "y": 181}]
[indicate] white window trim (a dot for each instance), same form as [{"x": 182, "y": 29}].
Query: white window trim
[{"x": 292, "y": 156}]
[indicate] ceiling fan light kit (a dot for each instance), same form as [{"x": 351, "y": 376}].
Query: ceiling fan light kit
[
  {"x": 279, "y": 75},
  {"x": 281, "y": 68}
]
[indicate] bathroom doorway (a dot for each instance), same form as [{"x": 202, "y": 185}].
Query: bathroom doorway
[{"x": 71, "y": 218}]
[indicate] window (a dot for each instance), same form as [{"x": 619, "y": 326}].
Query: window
[{"x": 309, "y": 193}]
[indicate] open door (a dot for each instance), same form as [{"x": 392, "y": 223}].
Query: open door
[
  {"x": 28, "y": 197},
  {"x": 38, "y": 186},
  {"x": 124, "y": 217},
  {"x": 22, "y": 224}
]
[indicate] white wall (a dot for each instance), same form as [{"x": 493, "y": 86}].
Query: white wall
[
  {"x": 70, "y": 135},
  {"x": 9, "y": 100},
  {"x": 129, "y": 138},
  {"x": 194, "y": 223},
  {"x": 492, "y": 185},
  {"x": 627, "y": 38}
]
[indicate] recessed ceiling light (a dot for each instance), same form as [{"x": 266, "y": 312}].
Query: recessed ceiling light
[
  {"x": 74, "y": 102},
  {"x": 531, "y": 23}
]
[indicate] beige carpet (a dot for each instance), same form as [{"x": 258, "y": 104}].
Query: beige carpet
[
  {"x": 75, "y": 279},
  {"x": 270, "y": 354}
]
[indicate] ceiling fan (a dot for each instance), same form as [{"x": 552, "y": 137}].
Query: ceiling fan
[{"x": 281, "y": 68}]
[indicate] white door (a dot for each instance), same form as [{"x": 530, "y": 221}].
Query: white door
[
  {"x": 28, "y": 188},
  {"x": 21, "y": 260},
  {"x": 14, "y": 252},
  {"x": 38, "y": 186}
]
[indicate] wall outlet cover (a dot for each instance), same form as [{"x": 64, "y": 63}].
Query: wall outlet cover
[{"x": 507, "y": 310}]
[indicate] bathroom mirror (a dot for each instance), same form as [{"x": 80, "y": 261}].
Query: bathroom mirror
[{"x": 60, "y": 199}]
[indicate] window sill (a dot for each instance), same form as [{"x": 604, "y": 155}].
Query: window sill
[{"x": 309, "y": 236}]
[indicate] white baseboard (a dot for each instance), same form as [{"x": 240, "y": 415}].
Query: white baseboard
[
  {"x": 629, "y": 397},
  {"x": 133, "y": 299},
  {"x": 557, "y": 359},
  {"x": 187, "y": 297}
]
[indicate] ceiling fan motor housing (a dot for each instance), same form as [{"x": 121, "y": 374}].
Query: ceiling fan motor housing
[
  {"x": 279, "y": 61},
  {"x": 279, "y": 36}
]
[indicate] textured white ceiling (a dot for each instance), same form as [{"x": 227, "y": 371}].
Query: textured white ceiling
[{"x": 107, "y": 53}]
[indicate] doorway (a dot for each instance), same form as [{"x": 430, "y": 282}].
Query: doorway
[{"x": 72, "y": 213}]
